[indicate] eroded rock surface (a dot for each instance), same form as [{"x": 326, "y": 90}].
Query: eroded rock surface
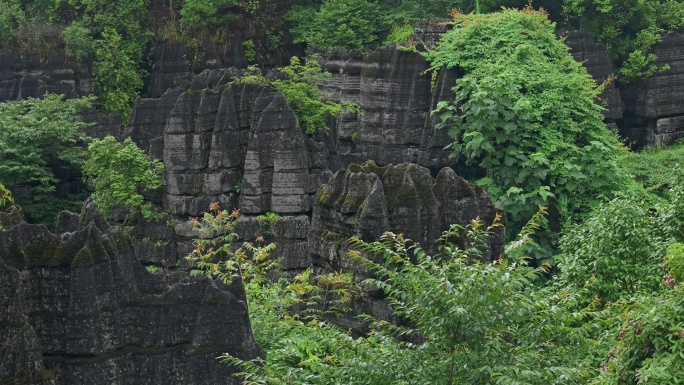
[
  {"x": 367, "y": 200},
  {"x": 79, "y": 308},
  {"x": 653, "y": 106}
]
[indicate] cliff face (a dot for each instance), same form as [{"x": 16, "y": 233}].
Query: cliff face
[
  {"x": 654, "y": 112},
  {"x": 79, "y": 308}
]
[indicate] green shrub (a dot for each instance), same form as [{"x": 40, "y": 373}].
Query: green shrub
[
  {"x": 121, "y": 43},
  {"x": 207, "y": 13},
  {"x": 304, "y": 96},
  {"x": 399, "y": 34},
  {"x": 5, "y": 197},
  {"x": 650, "y": 340},
  {"x": 615, "y": 252},
  {"x": 40, "y": 137},
  {"x": 154, "y": 269},
  {"x": 250, "y": 50},
  {"x": 11, "y": 18},
  {"x": 79, "y": 42},
  {"x": 349, "y": 24},
  {"x": 118, "y": 76},
  {"x": 657, "y": 169},
  {"x": 525, "y": 112},
  {"x": 118, "y": 172},
  {"x": 268, "y": 219}
]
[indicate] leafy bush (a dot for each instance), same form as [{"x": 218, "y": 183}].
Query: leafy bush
[
  {"x": 525, "y": 112},
  {"x": 207, "y": 13},
  {"x": 118, "y": 171},
  {"x": 268, "y": 219},
  {"x": 354, "y": 22},
  {"x": 40, "y": 137},
  {"x": 657, "y": 169},
  {"x": 11, "y": 17},
  {"x": 118, "y": 76},
  {"x": 79, "y": 42},
  {"x": 303, "y": 95},
  {"x": 650, "y": 341},
  {"x": 615, "y": 252},
  {"x": 120, "y": 46},
  {"x": 5, "y": 196},
  {"x": 399, "y": 34}
]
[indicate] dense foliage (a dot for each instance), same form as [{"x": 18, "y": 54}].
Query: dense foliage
[
  {"x": 525, "y": 112},
  {"x": 118, "y": 172},
  {"x": 650, "y": 338},
  {"x": 356, "y": 24},
  {"x": 41, "y": 140},
  {"x": 207, "y": 14},
  {"x": 615, "y": 252},
  {"x": 120, "y": 45},
  {"x": 470, "y": 322}
]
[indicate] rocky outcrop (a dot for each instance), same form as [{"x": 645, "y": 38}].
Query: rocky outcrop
[
  {"x": 646, "y": 111},
  {"x": 367, "y": 200},
  {"x": 241, "y": 145},
  {"x": 30, "y": 75},
  {"x": 78, "y": 307}
]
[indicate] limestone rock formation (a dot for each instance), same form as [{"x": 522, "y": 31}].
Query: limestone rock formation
[
  {"x": 395, "y": 99},
  {"x": 599, "y": 64},
  {"x": 367, "y": 200},
  {"x": 654, "y": 111},
  {"x": 79, "y": 308},
  {"x": 29, "y": 75}
]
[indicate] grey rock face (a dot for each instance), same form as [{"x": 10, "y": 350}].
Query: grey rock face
[
  {"x": 599, "y": 64},
  {"x": 395, "y": 98},
  {"x": 171, "y": 68},
  {"x": 653, "y": 106},
  {"x": 29, "y": 75},
  {"x": 367, "y": 200},
  {"x": 78, "y": 307},
  {"x": 241, "y": 145}
]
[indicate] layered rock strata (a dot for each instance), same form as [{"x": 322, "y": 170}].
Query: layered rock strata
[
  {"x": 654, "y": 106},
  {"x": 79, "y": 308},
  {"x": 367, "y": 200}
]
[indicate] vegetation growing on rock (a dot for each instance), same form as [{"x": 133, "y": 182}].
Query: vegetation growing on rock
[
  {"x": 39, "y": 140},
  {"x": 525, "y": 112},
  {"x": 118, "y": 171}
]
